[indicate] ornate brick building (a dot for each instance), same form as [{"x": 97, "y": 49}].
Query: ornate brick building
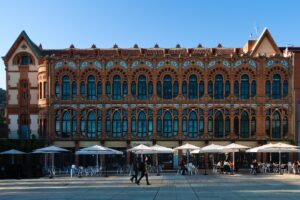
[{"x": 121, "y": 96}]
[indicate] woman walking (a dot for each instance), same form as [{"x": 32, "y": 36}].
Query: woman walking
[{"x": 144, "y": 171}]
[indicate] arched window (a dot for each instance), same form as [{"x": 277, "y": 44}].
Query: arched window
[
  {"x": 82, "y": 89},
  {"x": 268, "y": 88},
  {"x": 253, "y": 126},
  {"x": 285, "y": 127},
  {"x": 253, "y": 88},
  {"x": 210, "y": 88},
  {"x": 167, "y": 93},
  {"x": 201, "y": 126},
  {"x": 150, "y": 89},
  {"x": 193, "y": 125},
  {"x": 236, "y": 89},
  {"x": 57, "y": 123},
  {"x": 74, "y": 90},
  {"x": 99, "y": 89},
  {"x": 108, "y": 126},
  {"x": 236, "y": 126},
  {"x": 158, "y": 88},
  {"x": 201, "y": 88},
  {"x": 184, "y": 89},
  {"x": 142, "y": 125},
  {"x": 66, "y": 88},
  {"x": 167, "y": 124},
  {"x": 116, "y": 87},
  {"x": 244, "y": 125},
  {"x": 219, "y": 127},
  {"x": 175, "y": 126},
  {"x": 193, "y": 87},
  {"x": 133, "y": 88},
  {"x": 107, "y": 89},
  {"x": 184, "y": 126},
  {"x": 142, "y": 87},
  {"x": 57, "y": 90},
  {"x": 276, "y": 87},
  {"x": 82, "y": 124},
  {"x": 91, "y": 88},
  {"x": 125, "y": 126},
  {"x": 125, "y": 88},
  {"x": 66, "y": 124},
  {"x": 74, "y": 123},
  {"x": 285, "y": 88},
  {"x": 99, "y": 124},
  {"x": 245, "y": 87},
  {"x": 158, "y": 125},
  {"x": 227, "y": 127},
  {"x": 91, "y": 125},
  {"x": 210, "y": 126},
  {"x": 218, "y": 87},
  {"x": 25, "y": 60},
  {"x": 227, "y": 89},
  {"x": 268, "y": 127},
  {"x": 116, "y": 125},
  {"x": 150, "y": 125},
  {"x": 276, "y": 126},
  {"x": 175, "y": 89},
  {"x": 133, "y": 126}
]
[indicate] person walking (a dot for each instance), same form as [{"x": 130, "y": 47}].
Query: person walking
[
  {"x": 144, "y": 171},
  {"x": 135, "y": 170}
]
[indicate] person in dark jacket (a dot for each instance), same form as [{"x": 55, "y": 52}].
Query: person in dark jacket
[
  {"x": 135, "y": 169},
  {"x": 144, "y": 171}
]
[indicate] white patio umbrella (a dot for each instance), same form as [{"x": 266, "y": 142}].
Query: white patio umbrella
[
  {"x": 233, "y": 147},
  {"x": 142, "y": 149},
  {"x": 280, "y": 148},
  {"x": 97, "y": 150},
  {"x": 50, "y": 150},
  {"x": 256, "y": 149},
  {"x": 160, "y": 149},
  {"x": 13, "y": 152},
  {"x": 188, "y": 147}
]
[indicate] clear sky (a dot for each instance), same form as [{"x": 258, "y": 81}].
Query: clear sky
[{"x": 58, "y": 23}]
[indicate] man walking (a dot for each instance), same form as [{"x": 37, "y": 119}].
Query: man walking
[
  {"x": 135, "y": 169},
  {"x": 144, "y": 171}
]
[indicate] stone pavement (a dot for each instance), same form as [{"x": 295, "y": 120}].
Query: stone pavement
[{"x": 169, "y": 186}]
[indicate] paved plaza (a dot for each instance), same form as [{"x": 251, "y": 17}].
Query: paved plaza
[{"x": 169, "y": 186}]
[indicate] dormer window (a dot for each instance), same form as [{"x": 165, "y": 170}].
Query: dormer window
[{"x": 25, "y": 60}]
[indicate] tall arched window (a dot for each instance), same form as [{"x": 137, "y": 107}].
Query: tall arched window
[
  {"x": 82, "y": 124},
  {"x": 116, "y": 125},
  {"x": 210, "y": 126},
  {"x": 57, "y": 90},
  {"x": 150, "y": 88},
  {"x": 91, "y": 125},
  {"x": 167, "y": 124},
  {"x": 245, "y": 87},
  {"x": 66, "y": 124},
  {"x": 184, "y": 89},
  {"x": 285, "y": 88},
  {"x": 74, "y": 123},
  {"x": 158, "y": 125},
  {"x": 285, "y": 126},
  {"x": 227, "y": 89},
  {"x": 236, "y": 89},
  {"x": 210, "y": 88},
  {"x": 116, "y": 87},
  {"x": 142, "y": 125},
  {"x": 244, "y": 125},
  {"x": 276, "y": 87},
  {"x": 193, "y": 125},
  {"x": 276, "y": 126},
  {"x": 219, "y": 127},
  {"x": 253, "y": 126},
  {"x": 82, "y": 89},
  {"x": 125, "y": 126},
  {"x": 253, "y": 88},
  {"x": 158, "y": 89},
  {"x": 167, "y": 93},
  {"x": 184, "y": 126},
  {"x": 74, "y": 90},
  {"x": 133, "y": 126},
  {"x": 268, "y": 126},
  {"x": 133, "y": 88},
  {"x": 218, "y": 89},
  {"x": 66, "y": 88},
  {"x": 236, "y": 126},
  {"x": 91, "y": 88},
  {"x": 268, "y": 88},
  {"x": 201, "y": 88},
  {"x": 99, "y": 125},
  {"x": 107, "y": 89},
  {"x": 227, "y": 127},
  {"x": 193, "y": 87},
  {"x": 150, "y": 125},
  {"x": 175, "y": 89},
  {"x": 99, "y": 89},
  {"x": 142, "y": 87},
  {"x": 175, "y": 125},
  {"x": 125, "y": 88}
]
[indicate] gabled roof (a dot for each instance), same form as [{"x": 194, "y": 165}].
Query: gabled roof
[
  {"x": 265, "y": 34},
  {"x": 23, "y": 36}
]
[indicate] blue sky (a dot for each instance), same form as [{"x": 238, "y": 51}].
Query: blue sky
[{"x": 58, "y": 23}]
